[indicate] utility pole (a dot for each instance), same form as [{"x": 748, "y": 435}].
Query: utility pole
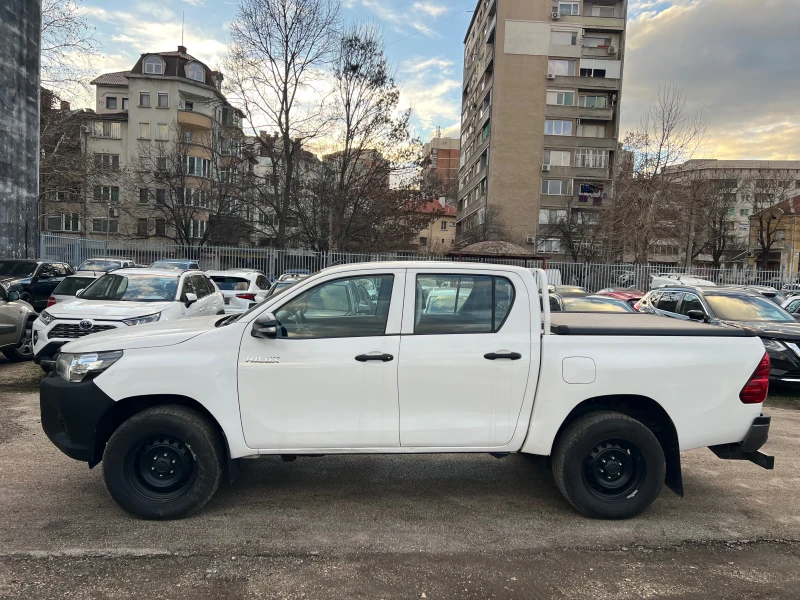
[{"x": 20, "y": 43}]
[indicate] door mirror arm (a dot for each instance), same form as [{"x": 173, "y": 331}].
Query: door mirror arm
[
  {"x": 13, "y": 296},
  {"x": 190, "y": 299},
  {"x": 265, "y": 327}
]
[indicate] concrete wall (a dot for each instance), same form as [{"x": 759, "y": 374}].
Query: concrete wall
[{"x": 20, "y": 33}]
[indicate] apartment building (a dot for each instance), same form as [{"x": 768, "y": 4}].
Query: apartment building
[
  {"x": 163, "y": 152},
  {"x": 540, "y": 115},
  {"x": 752, "y": 186},
  {"x": 441, "y": 165},
  {"x": 774, "y": 237},
  {"x": 439, "y": 236}
]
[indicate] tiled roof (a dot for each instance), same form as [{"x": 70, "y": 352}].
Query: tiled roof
[
  {"x": 435, "y": 207},
  {"x": 118, "y": 78},
  {"x": 174, "y": 53}
]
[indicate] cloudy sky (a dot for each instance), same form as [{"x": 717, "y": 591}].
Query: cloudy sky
[{"x": 738, "y": 61}]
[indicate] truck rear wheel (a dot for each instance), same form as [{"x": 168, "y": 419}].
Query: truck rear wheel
[
  {"x": 608, "y": 465},
  {"x": 163, "y": 463}
]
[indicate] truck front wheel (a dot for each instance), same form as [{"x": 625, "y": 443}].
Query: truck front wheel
[
  {"x": 163, "y": 463},
  {"x": 608, "y": 465}
]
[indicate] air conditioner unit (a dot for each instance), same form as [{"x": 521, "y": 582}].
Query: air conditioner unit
[
  {"x": 556, "y": 16},
  {"x": 551, "y": 76},
  {"x": 545, "y": 168},
  {"x": 612, "y": 49},
  {"x": 113, "y": 212},
  {"x": 531, "y": 239}
]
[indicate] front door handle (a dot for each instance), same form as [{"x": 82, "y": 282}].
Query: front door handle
[
  {"x": 508, "y": 355},
  {"x": 380, "y": 357}
]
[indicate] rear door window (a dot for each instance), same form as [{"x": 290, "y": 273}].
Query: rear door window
[
  {"x": 452, "y": 304},
  {"x": 188, "y": 288},
  {"x": 691, "y": 302},
  {"x": 668, "y": 302}
]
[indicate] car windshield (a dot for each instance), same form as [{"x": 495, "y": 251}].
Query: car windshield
[
  {"x": 230, "y": 284},
  {"x": 747, "y": 308},
  {"x": 595, "y": 305},
  {"x": 70, "y": 285},
  {"x": 20, "y": 268},
  {"x": 139, "y": 288},
  {"x": 98, "y": 265}
]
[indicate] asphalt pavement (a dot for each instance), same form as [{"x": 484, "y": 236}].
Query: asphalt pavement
[{"x": 431, "y": 526}]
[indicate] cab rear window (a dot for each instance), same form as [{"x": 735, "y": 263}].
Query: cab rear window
[{"x": 231, "y": 284}]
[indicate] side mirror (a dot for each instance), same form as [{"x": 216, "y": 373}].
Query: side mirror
[
  {"x": 265, "y": 327},
  {"x": 363, "y": 309},
  {"x": 696, "y": 315},
  {"x": 79, "y": 293},
  {"x": 190, "y": 299},
  {"x": 13, "y": 296}
]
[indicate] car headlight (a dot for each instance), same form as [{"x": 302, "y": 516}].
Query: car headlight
[
  {"x": 773, "y": 345},
  {"x": 46, "y": 317},
  {"x": 74, "y": 367},
  {"x": 142, "y": 320}
]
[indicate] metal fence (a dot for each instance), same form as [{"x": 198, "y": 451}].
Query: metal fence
[{"x": 592, "y": 276}]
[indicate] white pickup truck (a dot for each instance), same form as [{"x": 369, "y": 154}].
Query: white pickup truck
[{"x": 354, "y": 360}]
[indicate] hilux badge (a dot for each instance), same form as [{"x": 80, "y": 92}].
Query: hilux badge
[{"x": 263, "y": 359}]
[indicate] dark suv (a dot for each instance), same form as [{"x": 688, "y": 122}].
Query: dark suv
[
  {"x": 738, "y": 307},
  {"x": 34, "y": 280}
]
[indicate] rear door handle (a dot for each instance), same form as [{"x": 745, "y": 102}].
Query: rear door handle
[
  {"x": 380, "y": 357},
  {"x": 508, "y": 355}
]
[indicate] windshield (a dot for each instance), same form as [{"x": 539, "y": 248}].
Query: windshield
[
  {"x": 98, "y": 265},
  {"x": 231, "y": 284},
  {"x": 740, "y": 308},
  {"x": 139, "y": 288},
  {"x": 20, "y": 268},
  {"x": 595, "y": 305},
  {"x": 70, "y": 285}
]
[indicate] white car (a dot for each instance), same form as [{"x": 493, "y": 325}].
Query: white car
[
  {"x": 123, "y": 298},
  {"x": 97, "y": 266},
  {"x": 324, "y": 369},
  {"x": 241, "y": 288},
  {"x": 69, "y": 286}
]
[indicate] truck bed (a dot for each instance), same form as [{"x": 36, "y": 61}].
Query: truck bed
[{"x": 634, "y": 324}]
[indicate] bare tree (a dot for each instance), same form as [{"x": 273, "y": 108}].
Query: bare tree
[
  {"x": 577, "y": 229},
  {"x": 278, "y": 53},
  {"x": 489, "y": 228},
  {"x": 768, "y": 190},
  {"x": 68, "y": 46},
  {"x": 373, "y": 142},
  {"x": 647, "y": 199}
]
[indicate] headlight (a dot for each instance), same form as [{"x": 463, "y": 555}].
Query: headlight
[
  {"x": 74, "y": 367},
  {"x": 142, "y": 320},
  {"x": 46, "y": 317},
  {"x": 774, "y": 345}
]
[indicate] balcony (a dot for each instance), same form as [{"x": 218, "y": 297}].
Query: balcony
[
  {"x": 571, "y": 141},
  {"x": 194, "y": 119},
  {"x": 576, "y": 172},
  {"x": 600, "y": 53},
  {"x": 488, "y": 57},
  {"x": 579, "y": 112},
  {"x": 488, "y": 35},
  {"x": 473, "y": 207},
  {"x": 586, "y": 83},
  {"x": 562, "y": 51},
  {"x": 602, "y": 23}
]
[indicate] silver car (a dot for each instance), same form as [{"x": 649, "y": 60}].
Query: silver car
[{"x": 16, "y": 326}]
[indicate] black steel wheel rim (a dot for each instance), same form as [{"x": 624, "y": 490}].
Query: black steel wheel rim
[
  {"x": 160, "y": 468},
  {"x": 614, "y": 469}
]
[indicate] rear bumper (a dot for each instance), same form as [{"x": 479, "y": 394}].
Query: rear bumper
[
  {"x": 70, "y": 413},
  {"x": 749, "y": 448}
]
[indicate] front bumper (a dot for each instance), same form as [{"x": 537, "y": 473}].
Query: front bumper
[
  {"x": 784, "y": 366},
  {"x": 70, "y": 413},
  {"x": 749, "y": 448}
]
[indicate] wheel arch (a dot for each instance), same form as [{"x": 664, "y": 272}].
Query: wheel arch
[
  {"x": 648, "y": 412},
  {"x": 124, "y": 409}
]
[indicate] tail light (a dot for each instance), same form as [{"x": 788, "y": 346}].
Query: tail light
[
  {"x": 756, "y": 388},
  {"x": 246, "y": 296},
  {"x": 51, "y": 301},
  {"x": 637, "y": 306}
]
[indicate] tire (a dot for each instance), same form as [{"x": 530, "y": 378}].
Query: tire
[
  {"x": 168, "y": 435},
  {"x": 24, "y": 350},
  {"x": 26, "y": 297},
  {"x": 608, "y": 465}
]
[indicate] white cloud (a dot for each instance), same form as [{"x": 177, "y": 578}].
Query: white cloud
[
  {"x": 194, "y": 2},
  {"x": 429, "y": 90},
  {"x": 736, "y": 61},
  {"x": 430, "y": 9},
  {"x": 416, "y": 65}
]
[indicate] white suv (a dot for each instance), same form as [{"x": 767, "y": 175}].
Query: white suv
[
  {"x": 241, "y": 288},
  {"x": 122, "y": 298}
]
